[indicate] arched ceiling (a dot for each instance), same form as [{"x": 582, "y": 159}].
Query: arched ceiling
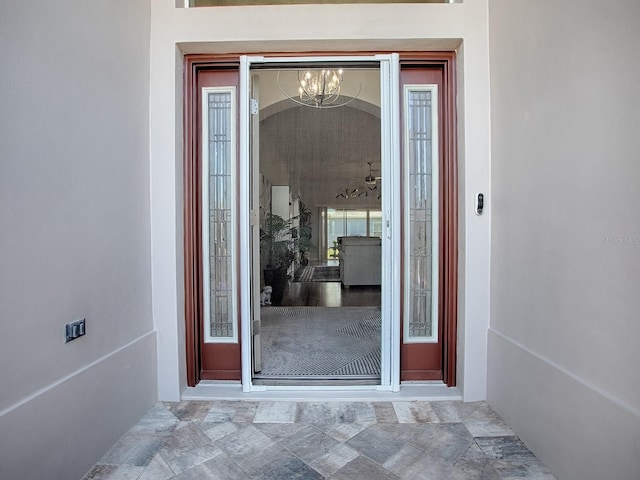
[
  {"x": 321, "y": 152},
  {"x": 365, "y": 83}
]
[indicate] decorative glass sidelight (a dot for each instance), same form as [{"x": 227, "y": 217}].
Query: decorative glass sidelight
[
  {"x": 218, "y": 225},
  {"x": 421, "y": 213}
]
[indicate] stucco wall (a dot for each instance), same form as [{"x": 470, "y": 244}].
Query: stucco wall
[
  {"x": 565, "y": 267},
  {"x": 314, "y": 28},
  {"x": 75, "y": 241}
]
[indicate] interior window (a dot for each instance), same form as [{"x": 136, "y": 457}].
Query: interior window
[
  {"x": 351, "y": 222},
  {"x": 375, "y": 223}
]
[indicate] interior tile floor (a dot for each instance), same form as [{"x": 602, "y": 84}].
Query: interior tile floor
[{"x": 272, "y": 440}]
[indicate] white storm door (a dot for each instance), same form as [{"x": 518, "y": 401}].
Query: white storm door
[{"x": 391, "y": 248}]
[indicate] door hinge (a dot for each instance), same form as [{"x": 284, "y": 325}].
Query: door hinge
[
  {"x": 255, "y": 108},
  {"x": 253, "y": 218}
]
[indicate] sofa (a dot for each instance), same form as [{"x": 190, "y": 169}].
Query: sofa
[{"x": 360, "y": 260}]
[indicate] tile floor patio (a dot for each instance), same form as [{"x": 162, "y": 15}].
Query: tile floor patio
[{"x": 271, "y": 440}]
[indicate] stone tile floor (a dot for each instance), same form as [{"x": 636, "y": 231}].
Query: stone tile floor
[{"x": 273, "y": 440}]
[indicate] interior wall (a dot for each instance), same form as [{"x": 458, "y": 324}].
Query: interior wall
[
  {"x": 320, "y": 153},
  {"x": 565, "y": 265},
  {"x": 318, "y": 28},
  {"x": 75, "y": 223}
]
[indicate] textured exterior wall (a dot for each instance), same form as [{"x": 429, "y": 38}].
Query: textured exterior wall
[
  {"x": 565, "y": 265},
  {"x": 316, "y": 28},
  {"x": 75, "y": 223}
]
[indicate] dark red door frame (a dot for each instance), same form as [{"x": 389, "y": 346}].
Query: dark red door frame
[
  {"x": 192, "y": 209},
  {"x": 448, "y": 296},
  {"x": 444, "y": 62}
]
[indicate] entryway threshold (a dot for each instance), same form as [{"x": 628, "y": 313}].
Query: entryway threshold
[{"x": 426, "y": 392}]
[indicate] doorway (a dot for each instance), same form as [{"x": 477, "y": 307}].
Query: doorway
[
  {"x": 319, "y": 319},
  {"x": 419, "y": 255}
]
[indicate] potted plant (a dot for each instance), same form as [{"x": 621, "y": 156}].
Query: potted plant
[
  {"x": 304, "y": 234},
  {"x": 280, "y": 239},
  {"x": 276, "y": 247}
]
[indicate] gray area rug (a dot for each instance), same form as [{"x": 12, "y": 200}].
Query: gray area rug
[
  {"x": 326, "y": 274},
  {"x": 320, "y": 341},
  {"x": 317, "y": 274}
]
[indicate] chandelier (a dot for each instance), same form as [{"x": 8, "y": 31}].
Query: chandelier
[
  {"x": 370, "y": 189},
  {"x": 358, "y": 191},
  {"x": 319, "y": 88}
]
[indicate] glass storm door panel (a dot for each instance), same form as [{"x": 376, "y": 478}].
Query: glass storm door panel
[
  {"x": 254, "y": 207},
  {"x": 271, "y": 111}
]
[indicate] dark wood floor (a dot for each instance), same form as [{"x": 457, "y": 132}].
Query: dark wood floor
[{"x": 330, "y": 294}]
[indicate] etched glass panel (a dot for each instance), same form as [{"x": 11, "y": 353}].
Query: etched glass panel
[
  {"x": 219, "y": 140},
  {"x": 421, "y": 201}
]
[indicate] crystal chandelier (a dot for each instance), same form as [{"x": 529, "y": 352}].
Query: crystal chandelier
[{"x": 321, "y": 87}]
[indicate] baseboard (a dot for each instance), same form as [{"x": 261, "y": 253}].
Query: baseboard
[
  {"x": 427, "y": 392},
  {"x": 580, "y": 431},
  {"x": 62, "y": 430}
]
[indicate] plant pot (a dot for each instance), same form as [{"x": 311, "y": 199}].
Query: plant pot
[{"x": 277, "y": 279}]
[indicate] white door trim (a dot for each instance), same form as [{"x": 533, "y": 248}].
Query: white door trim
[{"x": 391, "y": 197}]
